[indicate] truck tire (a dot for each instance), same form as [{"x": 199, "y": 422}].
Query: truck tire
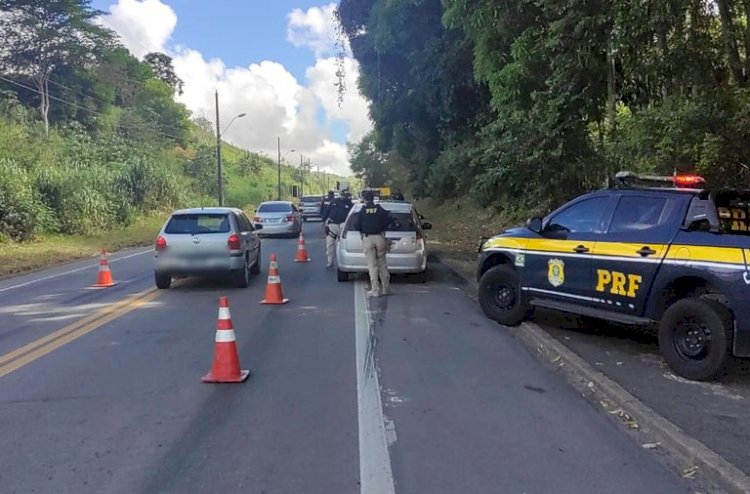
[
  {"x": 695, "y": 338},
  {"x": 163, "y": 281},
  {"x": 500, "y": 295},
  {"x": 342, "y": 276}
]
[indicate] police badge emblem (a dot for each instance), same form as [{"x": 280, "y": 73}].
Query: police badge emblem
[{"x": 556, "y": 272}]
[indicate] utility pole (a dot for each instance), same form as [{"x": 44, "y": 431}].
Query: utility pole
[
  {"x": 278, "y": 195},
  {"x": 219, "y": 174},
  {"x": 301, "y": 175}
]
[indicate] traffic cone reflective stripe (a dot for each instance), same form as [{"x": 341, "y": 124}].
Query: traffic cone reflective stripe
[
  {"x": 302, "y": 255},
  {"x": 274, "y": 295},
  {"x": 104, "y": 278},
  {"x": 225, "y": 318},
  {"x": 226, "y": 364}
]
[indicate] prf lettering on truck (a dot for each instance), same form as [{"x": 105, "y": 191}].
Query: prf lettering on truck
[{"x": 618, "y": 283}]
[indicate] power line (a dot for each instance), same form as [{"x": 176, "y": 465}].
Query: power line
[{"x": 75, "y": 105}]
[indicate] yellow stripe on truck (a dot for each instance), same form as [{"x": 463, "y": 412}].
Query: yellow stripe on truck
[{"x": 731, "y": 255}]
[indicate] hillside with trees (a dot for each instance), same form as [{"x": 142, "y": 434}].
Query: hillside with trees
[
  {"x": 91, "y": 137},
  {"x": 524, "y": 104}
]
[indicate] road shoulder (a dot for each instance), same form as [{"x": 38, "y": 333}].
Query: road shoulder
[{"x": 689, "y": 456}]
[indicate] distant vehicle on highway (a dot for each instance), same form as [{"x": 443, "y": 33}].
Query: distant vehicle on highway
[
  {"x": 310, "y": 207},
  {"x": 211, "y": 242},
  {"x": 407, "y": 250},
  {"x": 278, "y": 218}
]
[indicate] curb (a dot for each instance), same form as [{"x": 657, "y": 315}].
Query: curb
[{"x": 606, "y": 394}]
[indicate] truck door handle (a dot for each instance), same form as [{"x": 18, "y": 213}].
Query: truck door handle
[
  {"x": 646, "y": 251},
  {"x": 581, "y": 249}
]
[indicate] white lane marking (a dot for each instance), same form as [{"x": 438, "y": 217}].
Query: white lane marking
[
  {"x": 375, "y": 475},
  {"x": 45, "y": 278}
]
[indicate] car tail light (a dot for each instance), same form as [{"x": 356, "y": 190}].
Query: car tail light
[
  {"x": 234, "y": 242},
  {"x": 290, "y": 217},
  {"x": 161, "y": 243},
  {"x": 688, "y": 180}
]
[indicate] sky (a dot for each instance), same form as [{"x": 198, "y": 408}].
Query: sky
[{"x": 271, "y": 59}]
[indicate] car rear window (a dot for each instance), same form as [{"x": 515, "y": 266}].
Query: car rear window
[
  {"x": 405, "y": 222},
  {"x": 312, "y": 199},
  {"x": 191, "y": 224},
  {"x": 275, "y": 208}
]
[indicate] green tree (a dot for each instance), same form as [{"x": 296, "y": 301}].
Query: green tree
[
  {"x": 163, "y": 69},
  {"x": 40, "y": 36}
]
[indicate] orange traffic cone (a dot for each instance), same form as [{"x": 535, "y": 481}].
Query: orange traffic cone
[
  {"x": 301, "y": 250},
  {"x": 274, "y": 296},
  {"x": 104, "y": 279},
  {"x": 226, "y": 367}
]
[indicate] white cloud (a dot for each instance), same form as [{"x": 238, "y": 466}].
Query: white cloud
[
  {"x": 145, "y": 26},
  {"x": 276, "y": 103},
  {"x": 314, "y": 29},
  {"x": 354, "y": 108}
]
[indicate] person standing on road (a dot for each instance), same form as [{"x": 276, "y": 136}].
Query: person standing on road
[
  {"x": 337, "y": 213},
  {"x": 325, "y": 207},
  {"x": 372, "y": 223}
]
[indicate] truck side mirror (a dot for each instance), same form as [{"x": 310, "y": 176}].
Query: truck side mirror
[{"x": 534, "y": 224}]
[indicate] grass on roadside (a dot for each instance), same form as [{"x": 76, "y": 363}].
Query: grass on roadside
[
  {"x": 48, "y": 250},
  {"x": 459, "y": 224}
]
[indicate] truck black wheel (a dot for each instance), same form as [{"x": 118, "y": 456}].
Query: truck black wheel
[
  {"x": 342, "y": 276},
  {"x": 500, "y": 295},
  {"x": 695, "y": 338}
]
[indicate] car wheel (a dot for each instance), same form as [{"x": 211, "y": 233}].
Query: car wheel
[
  {"x": 242, "y": 277},
  {"x": 255, "y": 269},
  {"x": 695, "y": 338},
  {"x": 500, "y": 296},
  {"x": 163, "y": 281},
  {"x": 342, "y": 276}
]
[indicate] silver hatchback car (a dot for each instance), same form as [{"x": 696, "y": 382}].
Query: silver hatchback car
[
  {"x": 278, "y": 218},
  {"x": 407, "y": 250},
  {"x": 211, "y": 242}
]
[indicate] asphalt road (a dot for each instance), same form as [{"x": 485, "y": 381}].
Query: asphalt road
[
  {"x": 414, "y": 393},
  {"x": 716, "y": 413}
]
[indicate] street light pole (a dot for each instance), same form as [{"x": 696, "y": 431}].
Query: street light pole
[
  {"x": 219, "y": 173},
  {"x": 219, "y": 133},
  {"x": 278, "y": 194}
]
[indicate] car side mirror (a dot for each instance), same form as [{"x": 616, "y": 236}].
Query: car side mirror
[
  {"x": 426, "y": 226},
  {"x": 258, "y": 227},
  {"x": 534, "y": 224}
]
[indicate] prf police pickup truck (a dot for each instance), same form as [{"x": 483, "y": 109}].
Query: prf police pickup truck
[{"x": 649, "y": 250}]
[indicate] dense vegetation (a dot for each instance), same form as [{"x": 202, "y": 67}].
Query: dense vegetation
[
  {"x": 526, "y": 103},
  {"x": 91, "y": 137}
]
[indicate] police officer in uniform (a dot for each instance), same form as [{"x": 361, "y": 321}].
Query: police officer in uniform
[
  {"x": 325, "y": 206},
  {"x": 372, "y": 223},
  {"x": 336, "y": 216}
]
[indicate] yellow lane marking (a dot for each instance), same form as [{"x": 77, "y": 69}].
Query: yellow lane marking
[{"x": 18, "y": 358}]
